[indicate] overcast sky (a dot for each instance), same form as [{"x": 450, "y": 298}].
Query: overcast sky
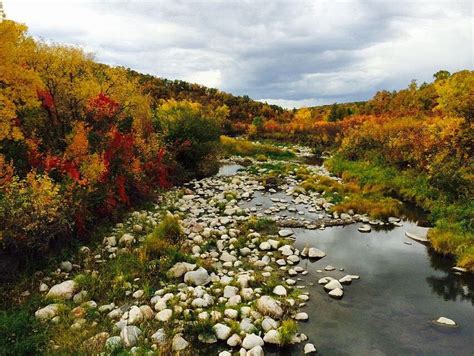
[{"x": 291, "y": 53}]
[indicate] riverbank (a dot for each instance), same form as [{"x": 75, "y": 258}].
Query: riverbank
[{"x": 452, "y": 232}]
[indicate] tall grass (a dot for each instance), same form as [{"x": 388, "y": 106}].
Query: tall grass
[{"x": 241, "y": 147}]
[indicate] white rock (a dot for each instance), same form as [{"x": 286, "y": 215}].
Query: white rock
[
  {"x": 234, "y": 340},
  {"x": 285, "y": 232},
  {"x": 266, "y": 305},
  {"x": 222, "y": 331},
  {"x": 230, "y": 291},
  {"x": 43, "y": 287},
  {"x": 64, "y": 290},
  {"x": 199, "y": 277},
  {"x": 364, "y": 228},
  {"x": 286, "y": 250},
  {"x": 127, "y": 240},
  {"x": 301, "y": 316},
  {"x": 252, "y": 340},
  {"x": 445, "y": 321},
  {"x": 265, "y": 246},
  {"x": 135, "y": 315},
  {"x": 180, "y": 269},
  {"x": 256, "y": 351},
  {"x": 336, "y": 293},
  {"x": 66, "y": 266},
  {"x": 227, "y": 257},
  {"x": 309, "y": 348},
  {"x": 164, "y": 315},
  {"x": 280, "y": 290},
  {"x": 130, "y": 335},
  {"x": 179, "y": 343},
  {"x": 138, "y": 294},
  {"x": 272, "y": 337},
  {"x": 329, "y": 268},
  {"x": 231, "y": 313},
  {"x": 48, "y": 312},
  {"x": 313, "y": 252},
  {"x": 159, "y": 337},
  {"x": 333, "y": 284}
]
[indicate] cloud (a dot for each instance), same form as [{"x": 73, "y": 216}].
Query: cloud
[{"x": 285, "y": 52}]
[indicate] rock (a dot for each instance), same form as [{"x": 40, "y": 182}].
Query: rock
[
  {"x": 164, "y": 315},
  {"x": 127, "y": 240},
  {"x": 200, "y": 277},
  {"x": 286, "y": 250},
  {"x": 269, "y": 324},
  {"x": 265, "y": 246},
  {"x": 129, "y": 335},
  {"x": 419, "y": 234},
  {"x": 272, "y": 337},
  {"x": 336, "y": 293},
  {"x": 64, "y": 290},
  {"x": 135, "y": 315},
  {"x": 459, "y": 269},
  {"x": 66, "y": 266},
  {"x": 227, "y": 257},
  {"x": 443, "y": 321},
  {"x": 78, "y": 312},
  {"x": 346, "y": 280},
  {"x": 159, "y": 336},
  {"x": 234, "y": 340},
  {"x": 80, "y": 297},
  {"x": 285, "y": 232},
  {"x": 329, "y": 268},
  {"x": 246, "y": 326},
  {"x": 113, "y": 343},
  {"x": 230, "y": 291},
  {"x": 180, "y": 268},
  {"x": 309, "y": 348},
  {"x": 333, "y": 284},
  {"x": 147, "y": 312},
  {"x": 313, "y": 252},
  {"x": 138, "y": 294},
  {"x": 252, "y": 340},
  {"x": 266, "y": 305},
  {"x": 365, "y": 228},
  {"x": 48, "y": 312},
  {"x": 43, "y": 287},
  {"x": 225, "y": 353},
  {"x": 301, "y": 316},
  {"x": 179, "y": 343},
  {"x": 231, "y": 313},
  {"x": 280, "y": 290},
  {"x": 222, "y": 331},
  {"x": 256, "y": 351}
]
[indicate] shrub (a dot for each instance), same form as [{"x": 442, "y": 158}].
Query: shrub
[
  {"x": 287, "y": 331},
  {"x": 33, "y": 211}
]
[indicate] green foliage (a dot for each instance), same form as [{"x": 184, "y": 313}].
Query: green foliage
[
  {"x": 262, "y": 225},
  {"x": 287, "y": 330},
  {"x": 21, "y": 333}
]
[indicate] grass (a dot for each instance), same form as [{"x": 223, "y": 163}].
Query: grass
[
  {"x": 262, "y": 225},
  {"x": 287, "y": 331},
  {"x": 453, "y": 230},
  {"x": 376, "y": 206},
  {"x": 21, "y": 333},
  {"x": 241, "y": 147}
]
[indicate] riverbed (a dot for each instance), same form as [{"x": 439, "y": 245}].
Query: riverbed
[{"x": 403, "y": 287}]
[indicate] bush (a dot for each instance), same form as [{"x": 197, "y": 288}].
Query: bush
[
  {"x": 192, "y": 133},
  {"x": 33, "y": 211}
]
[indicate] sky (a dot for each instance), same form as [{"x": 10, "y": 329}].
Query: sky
[{"x": 290, "y": 53}]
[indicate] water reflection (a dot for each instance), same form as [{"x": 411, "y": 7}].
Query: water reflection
[{"x": 450, "y": 285}]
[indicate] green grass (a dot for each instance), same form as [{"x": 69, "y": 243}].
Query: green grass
[
  {"x": 21, "y": 333},
  {"x": 241, "y": 147}
]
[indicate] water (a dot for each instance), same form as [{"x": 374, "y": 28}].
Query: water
[
  {"x": 229, "y": 169},
  {"x": 389, "y": 311}
]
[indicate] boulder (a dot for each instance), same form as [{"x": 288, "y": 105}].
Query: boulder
[
  {"x": 164, "y": 315},
  {"x": 222, "y": 331},
  {"x": 266, "y": 305},
  {"x": 313, "y": 252},
  {"x": 272, "y": 337},
  {"x": 333, "y": 284},
  {"x": 180, "y": 268},
  {"x": 48, "y": 312},
  {"x": 199, "y": 277},
  {"x": 336, "y": 293},
  {"x": 159, "y": 336},
  {"x": 129, "y": 335},
  {"x": 234, "y": 340},
  {"x": 64, "y": 290},
  {"x": 285, "y": 232},
  {"x": 252, "y": 340},
  {"x": 309, "y": 348},
  {"x": 280, "y": 290},
  {"x": 179, "y": 343}
]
